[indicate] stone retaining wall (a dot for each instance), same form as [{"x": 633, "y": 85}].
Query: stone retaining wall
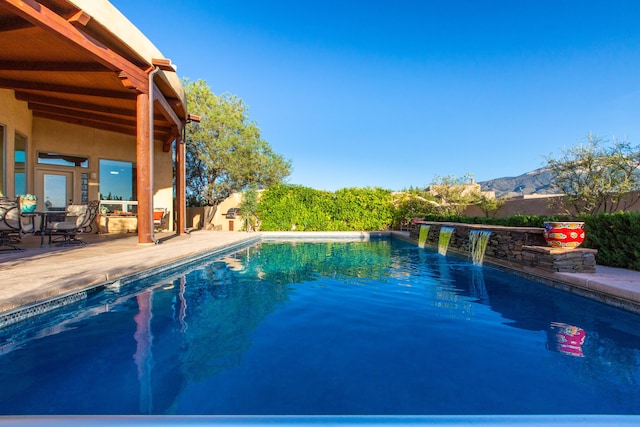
[
  {"x": 560, "y": 260},
  {"x": 512, "y": 245}
]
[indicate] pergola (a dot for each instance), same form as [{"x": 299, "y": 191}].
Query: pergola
[{"x": 82, "y": 62}]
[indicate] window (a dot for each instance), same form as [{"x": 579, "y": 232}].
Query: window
[
  {"x": 62, "y": 160},
  {"x": 117, "y": 180},
  {"x": 118, "y": 208},
  {"x": 20, "y": 162}
]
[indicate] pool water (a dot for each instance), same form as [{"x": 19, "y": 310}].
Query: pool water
[{"x": 380, "y": 327}]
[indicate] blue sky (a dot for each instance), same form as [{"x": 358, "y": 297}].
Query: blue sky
[{"x": 394, "y": 93}]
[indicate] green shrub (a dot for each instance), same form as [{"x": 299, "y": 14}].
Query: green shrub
[
  {"x": 615, "y": 236},
  {"x": 408, "y": 205},
  {"x": 363, "y": 209},
  {"x": 293, "y": 207},
  {"x": 285, "y": 207}
]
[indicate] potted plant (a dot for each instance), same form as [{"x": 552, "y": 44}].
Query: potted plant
[{"x": 27, "y": 202}]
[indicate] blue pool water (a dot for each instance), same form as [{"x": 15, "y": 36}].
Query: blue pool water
[{"x": 379, "y": 327}]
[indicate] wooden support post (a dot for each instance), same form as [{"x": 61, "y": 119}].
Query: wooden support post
[
  {"x": 181, "y": 197},
  {"x": 144, "y": 165}
]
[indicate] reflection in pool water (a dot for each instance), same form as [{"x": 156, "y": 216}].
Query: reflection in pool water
[
  {"x": 326, "y": 328},
  {"x": 567, "y": 339}
]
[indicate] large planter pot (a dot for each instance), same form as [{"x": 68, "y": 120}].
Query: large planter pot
[{"x": 564, "y": 234}]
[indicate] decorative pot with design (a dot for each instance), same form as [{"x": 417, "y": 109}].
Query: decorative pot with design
[
  {"x": 564, "y": 234},
  {"x": 27, "y": 205}
]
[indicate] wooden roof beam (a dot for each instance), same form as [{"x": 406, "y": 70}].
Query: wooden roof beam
[
  {"x": 165, "y": 108},
  {"x": 160, "y": 134},
  {"x": 43, "y": 17},
  {"x": 76, "y": 105},
  {"x": 88, "y": 123},
  {"x": 164, "y": 64},
  {"x": 13, "y": 23},
  {"x": 95, "y": 117},
  {"x": 80, "y": 19},
  {"x": 166, "y": 146},
  {"x": 77, "y": 67},
  {"x": 82, "y": 114},
  {"x": 75, "y": 90}
]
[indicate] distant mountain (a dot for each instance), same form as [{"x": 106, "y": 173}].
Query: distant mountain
[{"x": 535, "y": 182}]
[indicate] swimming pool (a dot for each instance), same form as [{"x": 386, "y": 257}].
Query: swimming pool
[{"x": 379, "y": 327}]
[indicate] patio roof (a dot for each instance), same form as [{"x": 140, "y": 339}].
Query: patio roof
[
  {"x": 82, "y": 62},
  {"x": 69, "y": 61}
]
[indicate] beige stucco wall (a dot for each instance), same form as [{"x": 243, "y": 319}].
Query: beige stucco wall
[
  {"x": 14, "y": 117},
  {"x": 195, "y": 216},
  {"x": 96, "y": 144},
  {"x": 219, "y": 220},
  {"x": 546, "y": 205}
]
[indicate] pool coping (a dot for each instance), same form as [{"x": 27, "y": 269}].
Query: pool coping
[{"x": 140, "y": 263}]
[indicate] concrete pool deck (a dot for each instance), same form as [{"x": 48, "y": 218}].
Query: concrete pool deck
[{"x": 37, "y": 275}]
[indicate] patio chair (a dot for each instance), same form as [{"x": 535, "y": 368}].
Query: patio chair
[
  {"x": 79, "y": 219},
  {"x": 12, "y": 225},
  {"x": 159, "y": 218}
]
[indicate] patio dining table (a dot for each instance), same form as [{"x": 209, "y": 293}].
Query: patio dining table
[{"x": 44, "y": 218}]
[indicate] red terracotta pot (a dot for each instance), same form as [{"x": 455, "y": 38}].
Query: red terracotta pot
[{"x": 564, "y": 234}]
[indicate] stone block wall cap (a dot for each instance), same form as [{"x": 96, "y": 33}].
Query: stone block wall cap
[
  {"x": 536, "y": 230},
  {"x": 552, "y": 250}
]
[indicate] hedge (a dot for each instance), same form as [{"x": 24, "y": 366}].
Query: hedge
[
  {"x": 617, "y": 238},
  {"x": 292, "y": 207}
]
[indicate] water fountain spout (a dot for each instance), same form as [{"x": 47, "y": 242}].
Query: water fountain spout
[
  {"x": 422, "y": 237},
  {"x": 443, "y": 239},
  {"x": 478, "y": 240}
]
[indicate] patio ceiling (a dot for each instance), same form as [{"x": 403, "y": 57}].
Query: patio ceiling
[{"x": 69, "y": 67}]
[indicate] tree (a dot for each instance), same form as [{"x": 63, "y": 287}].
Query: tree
[
  {"x": 454, "y": 194},
  {"x": 489, "y": 204},
  {"x": 249, "y": 208},
  {"x": 595, "y": 177},
  {"x": 225, "y": 153},
  {"x": 411, "y": 203}
]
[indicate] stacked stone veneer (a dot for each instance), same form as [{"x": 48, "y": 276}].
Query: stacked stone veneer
[{"x": 523, "y": 246}]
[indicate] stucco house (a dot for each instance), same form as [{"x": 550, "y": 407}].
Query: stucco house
[{"x": 89, "y": 109}]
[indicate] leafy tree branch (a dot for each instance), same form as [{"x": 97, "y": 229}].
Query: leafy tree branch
[
  {"x": 225, "y": 152},
  {"x": 596, "y": 177}
]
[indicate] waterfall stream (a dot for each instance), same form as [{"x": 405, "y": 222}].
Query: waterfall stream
[
  {"x": 424, "y": 232},
  {"x": 478, "y": 240},
  {"x": 443, "y": 239}
]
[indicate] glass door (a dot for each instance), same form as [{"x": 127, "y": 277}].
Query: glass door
[{"x": 54, "y": 190}]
